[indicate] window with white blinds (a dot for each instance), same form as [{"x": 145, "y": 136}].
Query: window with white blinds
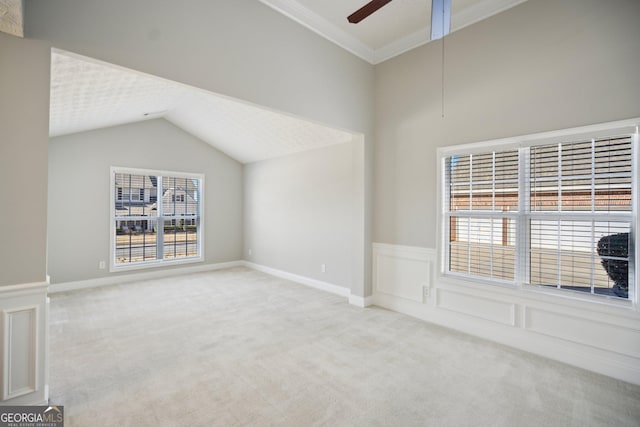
[
  {"x": 560, "y": 214},
  {"x": 156, "y": 217}
]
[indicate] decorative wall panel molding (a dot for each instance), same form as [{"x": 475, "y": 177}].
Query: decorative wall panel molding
[
  {"x": 483, "y": 308},
  {"x": 19, "y": 351},
  {"x": 402, "y": 271},
  {"x": 600, "y": 337},
  {"x": 612, "y": 337},
  {"x": 23, "y": 341}
]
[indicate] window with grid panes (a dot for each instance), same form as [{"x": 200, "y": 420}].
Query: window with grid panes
[
  {"x": 156, "y": 217},
  {"x": 560, "y": 215}
]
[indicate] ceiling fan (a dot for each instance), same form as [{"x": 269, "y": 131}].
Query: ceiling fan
[{"x": 440, "y": 15}]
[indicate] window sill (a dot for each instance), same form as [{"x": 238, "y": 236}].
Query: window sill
[
  {"x": 578, "y": 296},
  {"x": 533, "y": 293},
  {"x": 153, "y": 264}
]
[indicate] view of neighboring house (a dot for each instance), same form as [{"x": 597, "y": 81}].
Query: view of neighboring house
[
  {"x": 136, "y": 198},
  {"x": 135, "y": 195},
  {"x": 156, "y": 217}
]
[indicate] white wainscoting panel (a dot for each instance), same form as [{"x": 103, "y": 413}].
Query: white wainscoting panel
[
  {"x": 471, "y": 305},
  {"x": 402, "y": 271},
  {"x": 20, "y": 345},
  {"x": 23, "y": 312},
  {"x": 593, "y": 334}
]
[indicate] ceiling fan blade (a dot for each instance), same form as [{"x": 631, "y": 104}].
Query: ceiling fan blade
[{"x": 366, "y": 10}]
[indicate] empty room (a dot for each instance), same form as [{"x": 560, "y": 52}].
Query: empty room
[{"x": 306, "y": 212}]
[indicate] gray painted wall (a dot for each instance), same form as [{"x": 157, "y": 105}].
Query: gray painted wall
[
  {"x": 79, "y": 192},
  {"x": 525, "y": 70},
  {"x": 301, "y": 212},
  {"x": 238, "y": 48},
  {"x": 543, "y": 65},
  {"x": 24, "y": 129}
]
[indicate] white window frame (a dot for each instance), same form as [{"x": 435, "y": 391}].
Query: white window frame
[
  {"x": 113, "y": 266},
  {"x": 628, "y": 127}
]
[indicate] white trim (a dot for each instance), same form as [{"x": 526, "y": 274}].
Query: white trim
[
  {"x": 319, "y": 25},
  {"x": 330, "y": 31},
  {"x": 398, "y": 249},
  {"x": 635, "y": 225},
  {"x": 360, "y": 301},
  {"x": 617, "y": 366},
  {"x": 113, "y": 170},
  {"x": 383, "y": 252},
  {"x": 402, "y": 45},
  {"x": 523, "y": 215},
  {"x": 509, "y": 319},
  {"x": 126, "y": 278},
  {"x": 23, "y": 289},
  {"x": 317, "y": 284},
  {"x": 46, "y": 353},
  {"x": 313, "y": 283},
  {"x": 503, "y": 314},
  {"x": 158, "y": 263},
  {"x": 31, "y": 297},
  {"x": 8, "y": 342},
  {"x": 541, "y": 138}
]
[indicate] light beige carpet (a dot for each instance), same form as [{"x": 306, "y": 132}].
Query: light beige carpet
[{"x": 238, "y": 347}]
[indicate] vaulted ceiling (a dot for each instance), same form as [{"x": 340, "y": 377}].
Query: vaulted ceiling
[{"x": 87, "y": 94}]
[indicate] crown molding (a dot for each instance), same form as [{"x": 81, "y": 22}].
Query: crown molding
[
  {"x": 402, "y": 45},
  {"x": 316, "y": 23}
]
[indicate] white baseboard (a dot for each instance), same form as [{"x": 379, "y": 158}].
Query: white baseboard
[
  {"x": 360, "y": 301},
  {"x": 147, "y": 275},
  {"x": 314, "y": 283}
]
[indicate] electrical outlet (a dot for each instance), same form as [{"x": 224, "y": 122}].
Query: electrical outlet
[
  {"x": 102, "y": 265},
  {"x": 323, "y": 268},
  {"x": 250, "y": 252},
  {"x": 426, "y": 291}
]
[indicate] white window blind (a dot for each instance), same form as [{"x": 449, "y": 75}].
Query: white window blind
[
  {"x": 581, "y": 193},
  {"x": 482, "y": 199},
  {"x": 558, "y": 215},
  {"x": 156, "y": 217}
]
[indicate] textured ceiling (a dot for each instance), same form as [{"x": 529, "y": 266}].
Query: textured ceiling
[
  {"x": 395, "y": 28},
  {"x": 87, "y": 94},
  {"x": 11, "y": 17}
]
